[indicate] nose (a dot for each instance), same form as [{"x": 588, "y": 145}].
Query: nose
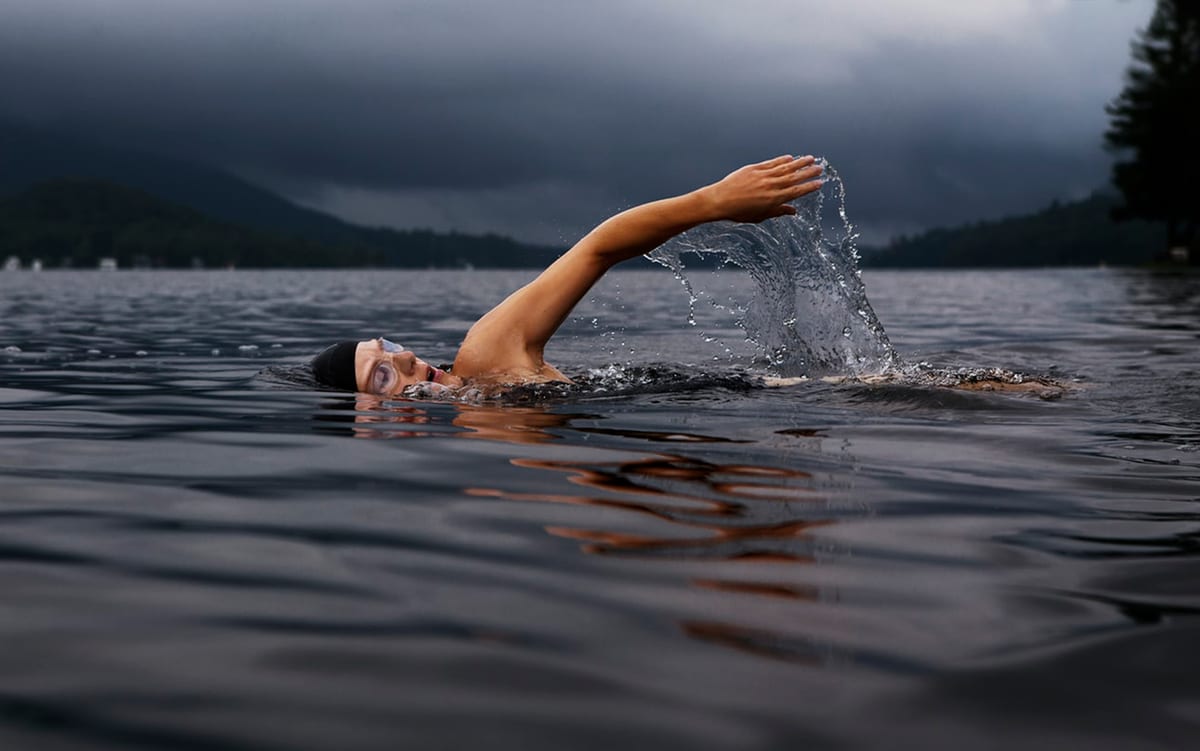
[{"x": 405, "y": 361}]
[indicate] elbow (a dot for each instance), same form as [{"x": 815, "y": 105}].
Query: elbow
[{"x": 595, "y": 255}]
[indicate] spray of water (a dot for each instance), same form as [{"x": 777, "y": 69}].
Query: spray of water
[{"x": 809, "y": 313}]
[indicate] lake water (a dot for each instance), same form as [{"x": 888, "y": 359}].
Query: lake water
[{"x": 197, "y": 552}]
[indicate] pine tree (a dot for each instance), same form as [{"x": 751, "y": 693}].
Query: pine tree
[{"x": 1155, "y": 127}]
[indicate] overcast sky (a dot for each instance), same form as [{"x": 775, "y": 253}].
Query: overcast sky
[{"x": 537, "y": 118}]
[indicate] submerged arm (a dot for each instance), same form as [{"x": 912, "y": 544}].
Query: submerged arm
[{"x": 519, "y": 327}]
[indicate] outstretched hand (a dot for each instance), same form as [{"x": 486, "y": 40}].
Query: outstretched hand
[{"x": 761, "y": 191}]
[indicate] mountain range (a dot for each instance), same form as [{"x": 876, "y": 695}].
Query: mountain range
[
  {"x": 67, "y": 201},
  {"x": 73, "y": 169}
]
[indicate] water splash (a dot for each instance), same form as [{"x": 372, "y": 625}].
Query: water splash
[
  {"x": 605, "y": 382},
  {"x": 809, "y": 314}
]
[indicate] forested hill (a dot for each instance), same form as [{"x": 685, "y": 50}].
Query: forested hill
[
  {"x": 29, "y": 158},
  {"x": 77, "y": 222},
  {"x": 1078, "y": 233},
  {"x": 192, "y": 214}
]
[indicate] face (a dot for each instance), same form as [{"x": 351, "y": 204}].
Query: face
[{"x": 385, "y": 368}]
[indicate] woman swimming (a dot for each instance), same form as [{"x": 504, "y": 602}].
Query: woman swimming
[{"x": 505, "y": 346}]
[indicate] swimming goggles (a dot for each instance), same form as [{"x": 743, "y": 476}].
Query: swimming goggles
[{"x": 384, "y": 377}]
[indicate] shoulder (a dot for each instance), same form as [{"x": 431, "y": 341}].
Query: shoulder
[{"x": 482, "y": 361}]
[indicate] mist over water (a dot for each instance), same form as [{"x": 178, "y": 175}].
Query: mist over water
[{"x": 809, "y": 313}]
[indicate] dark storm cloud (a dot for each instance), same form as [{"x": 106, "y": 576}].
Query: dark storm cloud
[{"x": 536, "y": 118}]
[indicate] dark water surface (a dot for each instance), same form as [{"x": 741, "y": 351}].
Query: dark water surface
[{"x": 195, "y": 554}]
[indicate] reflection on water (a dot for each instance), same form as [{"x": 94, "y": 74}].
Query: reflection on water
[
  {"x": 707, "y": 512},
  {"x": 1172, "y": 298},
  {"x": 692, "y": 496}
]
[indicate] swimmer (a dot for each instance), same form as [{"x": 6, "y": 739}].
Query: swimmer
[{"x": 505, "y": 347}]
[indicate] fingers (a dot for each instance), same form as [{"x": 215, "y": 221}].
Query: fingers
[
  {"x": 797, "y": 175},
  {"x": 787, "y": 179},
  {"x": 785, "y": 164},
  {"x": 787, "y": 184},
  {"x": 803, "y": 189}
]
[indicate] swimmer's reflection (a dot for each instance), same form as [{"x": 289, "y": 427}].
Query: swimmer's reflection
[
  {"x": 700, "y": 510},
  {"x": 379, "y": 418},
  {"x": 704, "y": 503},
  {"x": 727, "y": 513}
]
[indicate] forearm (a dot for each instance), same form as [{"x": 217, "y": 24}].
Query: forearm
[
  {"x": 750, "y": 194},
  {"x": 535, "y": 311},
  {"x": 643, "y": 228}
]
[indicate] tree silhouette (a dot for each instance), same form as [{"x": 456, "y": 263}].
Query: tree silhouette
[{"x": 1154, "y": 124}]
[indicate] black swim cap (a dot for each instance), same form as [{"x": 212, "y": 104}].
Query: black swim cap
[{"x": 335, "y": 366}]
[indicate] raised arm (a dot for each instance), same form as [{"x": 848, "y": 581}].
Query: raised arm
[{"x": 513, "y": 335}]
